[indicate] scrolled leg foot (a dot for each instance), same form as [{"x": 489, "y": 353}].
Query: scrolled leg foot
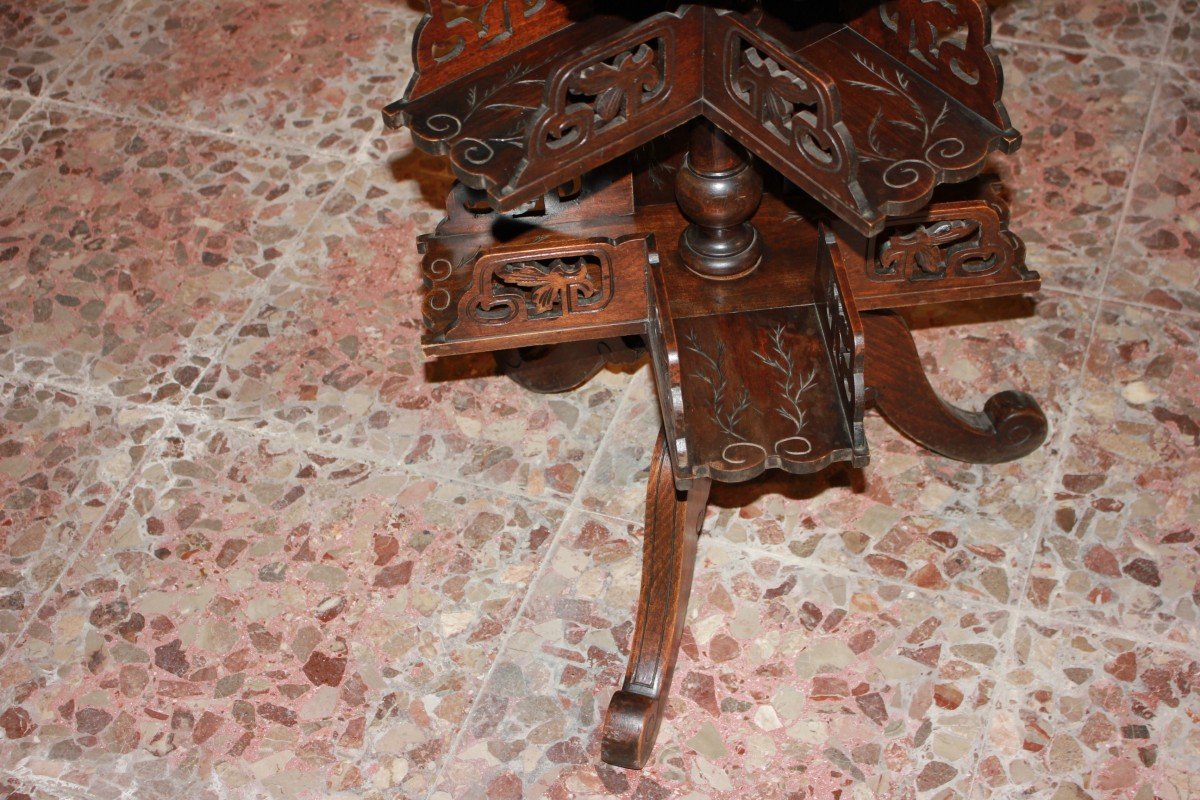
[
  {"x": 668, "y": 557},
  {"x": 1011, "y": 425}
]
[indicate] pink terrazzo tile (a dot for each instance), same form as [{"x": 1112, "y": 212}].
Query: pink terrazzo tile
[
  {"x": 1156, "y": 259},
  {"x": 791, "y": 683},
  {"x": 12, "y": 108},
  {"x": 1184, "y": 47},
  {"x": 131, "y": 249},
  {"x": 62, "y": 460},
  {"x": 271, "y": 621},
  {"x": 39, "y": 38},
  {"x": 1137, "y": 28},
  {"x": 312, "y": 73},
  {"x": 332, "y": 356},
  {"x": 1122, "y": 549},
  {"x": 1081, "y": 116},
  {"x": 1096, "y": 715}
]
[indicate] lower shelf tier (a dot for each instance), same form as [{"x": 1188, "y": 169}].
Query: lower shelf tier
[{"x": 765, "y": 371}]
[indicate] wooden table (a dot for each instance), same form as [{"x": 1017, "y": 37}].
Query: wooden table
[{"x": 745, "y": 189}]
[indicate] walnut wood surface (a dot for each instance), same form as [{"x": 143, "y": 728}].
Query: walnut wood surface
[
  {"x": 1010, "y": 426},
  {"x": 719, "y": 190},
  {"x": 868, "y": 113},
  {"x": 597, "y": 217},
  {"x": 673, "y": 522}
]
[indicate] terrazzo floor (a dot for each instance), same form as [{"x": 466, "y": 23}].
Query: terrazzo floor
[{"x": 252, "y": 546}]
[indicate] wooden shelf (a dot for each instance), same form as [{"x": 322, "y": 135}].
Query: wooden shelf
[{"x": 862, "y": 119}]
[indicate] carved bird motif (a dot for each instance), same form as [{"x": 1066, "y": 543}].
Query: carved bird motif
[
  {"x": 923, "y": 247},
  {"x": 550, "y": 282}
]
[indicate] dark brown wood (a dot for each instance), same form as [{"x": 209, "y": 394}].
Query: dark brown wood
[
  {"x": 867, "y": 113},
  {"x": 673, "y": 520},
  {"x": 1010, "y": 426},
  {"x": 718, "y": 190},
  {"x": 745, "y": 190},
  {"x": 555, "y": 368}
]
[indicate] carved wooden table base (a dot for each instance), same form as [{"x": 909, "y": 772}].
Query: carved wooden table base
[{"x": 757, "y": 253}]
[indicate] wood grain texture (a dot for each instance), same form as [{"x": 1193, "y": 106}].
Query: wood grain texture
[
  {"x": 1010, "y": 426},
  {"x": 668, "y": 559},
  {"x": 868, "y": 111}
]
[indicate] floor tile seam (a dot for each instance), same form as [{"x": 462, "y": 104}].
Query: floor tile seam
[
  {"x": 1005, "y": 691},
  {"x": 85, "y": 391},
  {"x": 35, "y": 104},
  {"x": 1134, "y": 171},
  {"x": 618, "y": 414},
  {"x": 1104, "y": 299},
  {"x": 1022, "y": 608},
  {"x": 369, "y": 459},
  {"x": 153, "y": 447},
  {"x": 511, "y": 630},
  {"x": 792, "y": 558},
  {"x": 1078, "y": 51},
  {"x": 96, "y": 109},
  {"x": 114, "y": 17},
  {"x": 1041, "y": 524},
  {"x": 814, "y": 565},
  {"x": 259, "y": 295},
  {"x": 1140, "y": 636},
  {"x": 30, "y": 779}
]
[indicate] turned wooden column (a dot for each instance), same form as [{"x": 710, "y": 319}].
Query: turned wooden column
[{"x": 719, "y": 191}]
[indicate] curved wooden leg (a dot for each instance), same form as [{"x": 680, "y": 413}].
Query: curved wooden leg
[
  {"x": 673, "y": 522},
  {"x": 1010, "y": 426}
]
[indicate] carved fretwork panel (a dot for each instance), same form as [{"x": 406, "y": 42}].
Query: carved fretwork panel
[
  {"x": 516, "y": 128},
  {"x": 842, "y": 331},
  {"x": 550, "y": 288},
  {"x": 785, "y": 109},
  {"x": 458, "y": 36},
  {"x": 615, "y": 97},
  {"x": 948, "y": 42},
  {"x": 960, "y": 248},
  {"x": 537, "y": 289}
]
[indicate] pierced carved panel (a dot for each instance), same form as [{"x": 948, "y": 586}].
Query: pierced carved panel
[
  {"x": 456, "y": 36},
  {"x": 604, "y": 95},
  {"x": 481, "y": 295},
  {"x": 790, "y": 101},
  {"x": 556, "y": 285},
  {"x": 843, "y": 332},
  {"x": 948, "y": 42},
  {"x": 959, "y": 240}
]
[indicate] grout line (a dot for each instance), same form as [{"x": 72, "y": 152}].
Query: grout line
[
  {"x": 1045, "y": 518},
  {"x": 514, "y": 626},
  {"x": 193, "y": 130},
  {"x": 1160, "y": 60},
  {"x": 456, "y": 742},
  {"x": 1110, "y": 299}
]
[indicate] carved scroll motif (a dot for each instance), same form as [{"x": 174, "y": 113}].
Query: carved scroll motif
[
  {"x": 539, "y": 288},
  {"x": 602, "y": 95},
  {"x": 728, "y": 408},
  {"x": 460, "y": 28},
  {"x": 964, "y": 240},
  {"x": 790, "y": 102}
]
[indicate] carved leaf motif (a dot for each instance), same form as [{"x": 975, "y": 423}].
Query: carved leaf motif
[
  {"x": 608, "y": 103},
  {"x": 550, "y": 283}
]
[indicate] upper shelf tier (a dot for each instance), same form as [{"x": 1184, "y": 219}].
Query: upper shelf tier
[{"x": 867, "y": 114}]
